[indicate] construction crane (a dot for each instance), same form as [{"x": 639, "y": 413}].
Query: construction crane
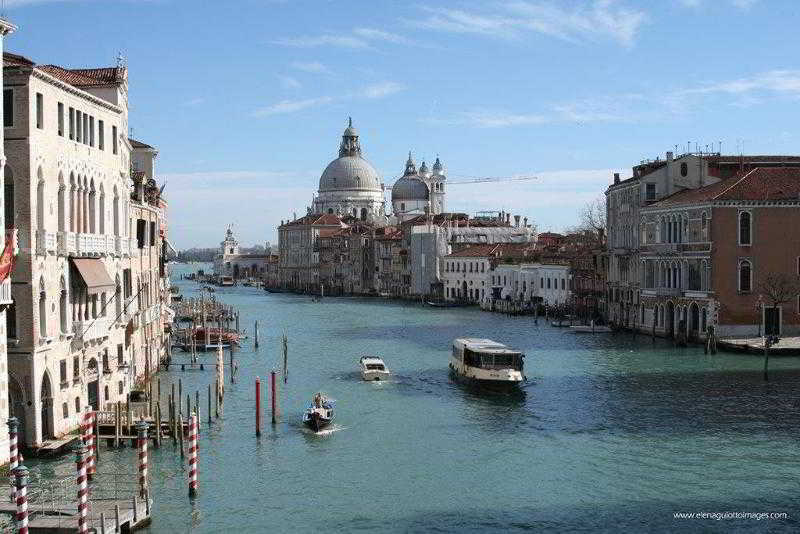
[{"x": 492, "y": 179}]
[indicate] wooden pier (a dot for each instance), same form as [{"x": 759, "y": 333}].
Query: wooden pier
[{"x": 114, "y": 506}]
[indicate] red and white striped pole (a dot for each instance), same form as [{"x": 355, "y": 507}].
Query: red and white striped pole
[
  {"x": 21, "y": 475},
  {"x": 88, "y": 440},
  {"x": 141, "y": 428},
  {"x": 13, "y": 460},
  {"x": 193, "y": 456},
  {"x": 83, "y": 490}
]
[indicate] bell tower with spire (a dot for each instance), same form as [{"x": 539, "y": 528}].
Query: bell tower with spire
[
  {"x": 230, "y": 247},
  {"x": 436, "y": 184}
]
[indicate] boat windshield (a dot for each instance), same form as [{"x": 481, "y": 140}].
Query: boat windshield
[
  {"x": 374, "y": 367},
  {"x": 494, "y": 360}
]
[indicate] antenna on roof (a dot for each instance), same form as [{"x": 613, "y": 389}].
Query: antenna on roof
[{"x": 121, "y": 61}]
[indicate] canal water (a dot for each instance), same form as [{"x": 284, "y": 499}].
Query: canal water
[{"x": 611, "y": 432}]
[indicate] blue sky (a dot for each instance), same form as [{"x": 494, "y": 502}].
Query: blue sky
[{"x": 246, "y": 99}]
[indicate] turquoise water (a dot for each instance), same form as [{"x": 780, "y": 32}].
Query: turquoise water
[{"x": 611, "y": 433}]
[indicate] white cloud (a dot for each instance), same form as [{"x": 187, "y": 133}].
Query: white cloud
[
  {"x": 356, "y": 38},
  {"x": 345, "y": 41},
  {"x": 374, "y": 91},
  {"x": 291, "y": 106},
  {"x": 289, "y": 82},
  {"x": 314, "y": 67},
  {"x": 381, "y": 90},
  {"x": 741, "y": 4},
  {"x": 601, "y": 19},
  {"x": 194, "y": 102},
  {"x": 380, "y": 35}
]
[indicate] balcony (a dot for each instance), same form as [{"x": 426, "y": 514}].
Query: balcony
[
  {"x": 91, "y": 329},
  {"x": 122, "y": 246},
  {"x": 45, "y": 242},
  {"x": 5, "y": 292},
  {"x": 67, "y": 243}
]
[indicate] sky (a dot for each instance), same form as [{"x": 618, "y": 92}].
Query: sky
[{"x": 246, "y": 100}]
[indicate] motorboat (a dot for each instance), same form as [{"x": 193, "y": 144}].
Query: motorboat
[
  {"x": 486, "y": 363},
  {"x": 226, "y": 281},
  {"x": 319, "y": 413},
  {"x": 373, "y": 368}
]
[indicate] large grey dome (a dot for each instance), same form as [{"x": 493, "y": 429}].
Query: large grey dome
[
  {"x": 348, "y": 173},
  {"x": 409, "y": 188}
]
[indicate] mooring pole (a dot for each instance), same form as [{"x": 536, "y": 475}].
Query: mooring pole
[
  {"x": 21, "y": 476},
  {"x": 273, "y": 400},
  {"x": 13, "y": 426},
  {"x": 83, "y": 491},
  {"x": 141, "y": 429},
  {"x": 88, "y": 440},
  {"x": 258, "y": 407},
  {"x": 209, "y": 404},
  {"x": 256, "y": 334},
  {"x": 193, "y": 456}
]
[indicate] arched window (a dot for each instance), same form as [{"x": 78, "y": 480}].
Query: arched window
[
  {"x": 745, "y": 276},
  {"x": 62, "y": 307},
  {"x": 355, "y": 212},
  {"x": 62, "y": 208},
  {"x": 402, "y": 206},
  {"x": 92, "y": 226},
  {"x": 118, "y": 298},
  {"x": 115, "y": 211},
  {"x": 745, "y": 231},
  {"x": 40, "y": 202},
  {"x": 8, "y": 190},
  {"x": 330, "y": 211},
  {"x": 704, "y": 226},
  {"x": 363, "y": 214},
  {"x": 101, "y": 212},
  {"x": 72, "y": 207},
  {"x": 11, "y": 320},
  {"x": 77, "y": 405},
  {"x": 42, "y": 309},
  {"x": 684, "y": 169}
]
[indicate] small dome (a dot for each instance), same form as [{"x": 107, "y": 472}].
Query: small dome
[
  {"x": 409, "y": 188},
  {"x": 423, "y": 170},
  {"x": 438, "y": 168},
  {"x": 349, "y": 172}
]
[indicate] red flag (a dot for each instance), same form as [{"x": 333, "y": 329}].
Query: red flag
[{"x": 7, "y": 258}]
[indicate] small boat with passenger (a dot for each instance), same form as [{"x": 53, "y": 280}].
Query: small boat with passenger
[
  {"x": 486, "y": 363},
  {"x": 373, "y": 368},
  {"x": 319, "y": 413}
]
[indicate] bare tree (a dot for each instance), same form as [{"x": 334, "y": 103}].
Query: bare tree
[
  {"x": 593, "y": 216},
  {"x": 777, "y": 289}
]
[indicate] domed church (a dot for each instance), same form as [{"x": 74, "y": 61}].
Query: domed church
[
  {"x": 419, "y": 192},
  {"x": 350, "y": 185}
]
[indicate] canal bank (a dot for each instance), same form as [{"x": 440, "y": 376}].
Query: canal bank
[{"x": 611, "y": 431}]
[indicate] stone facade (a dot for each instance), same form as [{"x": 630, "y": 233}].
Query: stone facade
[
  {"x": 231, "y": 262},
  {"x": 82, "y": 288}
]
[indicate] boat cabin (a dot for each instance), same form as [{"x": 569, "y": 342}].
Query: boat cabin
[{"x": 486, "y": 354}]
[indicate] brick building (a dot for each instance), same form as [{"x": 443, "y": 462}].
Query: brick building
[{"x": 707, "y": 254}]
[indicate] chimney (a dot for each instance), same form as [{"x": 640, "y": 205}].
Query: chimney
[
  {"x": 616, "y": 177},
  {"x": 525, "y": 220},
  {"x": 508, "y": 218},
  {"x": 516, "y": 220},
  {"x": 669, "y": 155}
]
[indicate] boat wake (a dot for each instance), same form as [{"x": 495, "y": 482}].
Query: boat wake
[{"x": 325, "y": 431}]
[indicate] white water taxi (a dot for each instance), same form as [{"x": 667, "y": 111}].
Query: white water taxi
[
  {"x": 487, "y": 363},
  {"x": 373, "y": 368}
]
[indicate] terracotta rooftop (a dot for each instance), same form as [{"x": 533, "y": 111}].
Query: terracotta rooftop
[
  {"x": 85, "y": 77},
  {"x": 138, "y": 144},
  {"x": 761, "y": 183},
  {"x": 326, "y": 219},
  {"x": 497, "y": 250},
  {"x": 75, "y": 77}
]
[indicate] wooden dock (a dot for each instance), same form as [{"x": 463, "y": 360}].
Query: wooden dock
[{"x": 114, "y": 505}]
